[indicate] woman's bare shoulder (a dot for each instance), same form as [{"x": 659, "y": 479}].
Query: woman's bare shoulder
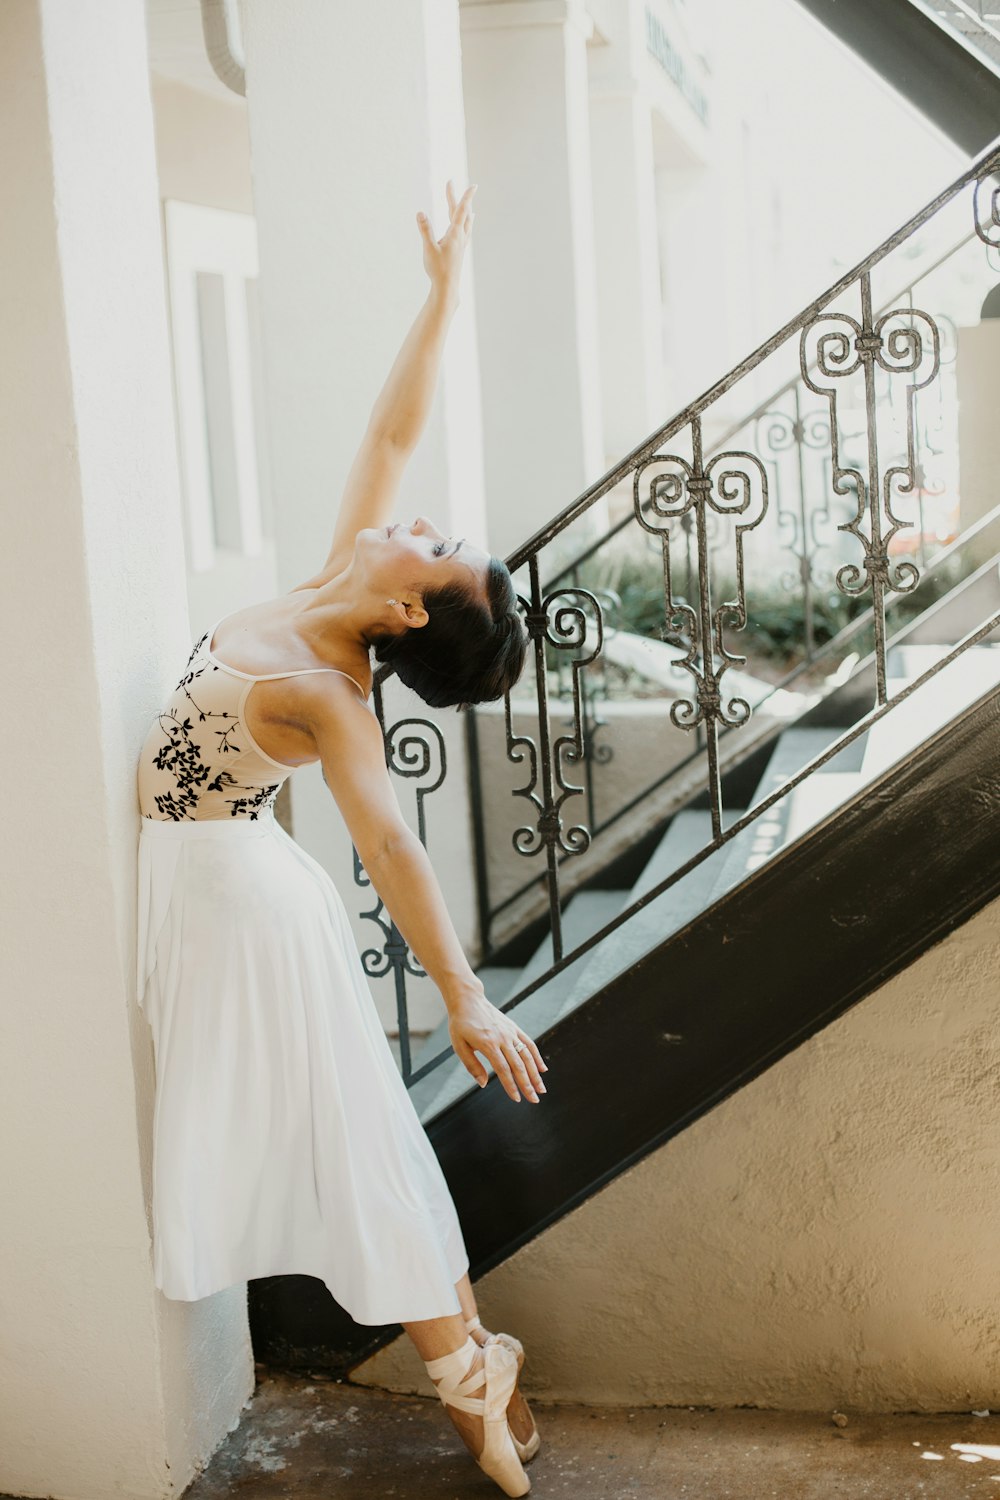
[
  {"x": 335, "y": 703},
  {"x": 261, "y": 634}
]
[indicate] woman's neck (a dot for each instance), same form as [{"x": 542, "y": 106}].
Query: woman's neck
[{"x": 340, "y": 614}]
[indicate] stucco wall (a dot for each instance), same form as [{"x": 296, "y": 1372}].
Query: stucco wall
[{"x": 826, "y": 1237}]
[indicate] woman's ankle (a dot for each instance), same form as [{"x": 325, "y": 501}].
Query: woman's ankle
[{"x": 470, "y": 1426}]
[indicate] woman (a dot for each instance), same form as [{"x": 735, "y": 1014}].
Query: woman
[{"x": 284, "y": 1137}]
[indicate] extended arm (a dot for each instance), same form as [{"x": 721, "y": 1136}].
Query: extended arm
[
  {"x": 349, "y": 742},
  {"x": 404, "y": 402},
  {"x": 401, "y": 410}
]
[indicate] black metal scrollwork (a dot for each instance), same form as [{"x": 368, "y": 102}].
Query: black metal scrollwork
[
  {"x": 414, "y": 749},
  {"x": 566, "y": 626},
  {"x": 841, "y": 352},
  {"x": 987, "y": 223},
  {"x": 570, "y": 620},
  {"x": 693, "y": 490},
  {"x": 694, "y": 514}
]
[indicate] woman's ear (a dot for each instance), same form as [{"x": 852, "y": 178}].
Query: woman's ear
[{"x": 413, "y": 613}]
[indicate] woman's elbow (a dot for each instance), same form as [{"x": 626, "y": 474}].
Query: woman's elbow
[{"x": 387, "y": 847}]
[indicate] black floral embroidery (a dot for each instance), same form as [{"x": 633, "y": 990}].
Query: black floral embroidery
[
  {"x": 182, "y": 757},
  {"x": 263, "y": 799}
]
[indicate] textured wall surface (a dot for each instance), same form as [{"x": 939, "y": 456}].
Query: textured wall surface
[
  {"x": 106, "y": 1388},
  {"x": 827, "y": 1236}
]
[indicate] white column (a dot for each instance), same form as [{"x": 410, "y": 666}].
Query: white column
[
  {"x": 625, "y": 227},
  {"x": 355, "y": 117},
  {"x": 524, "y": 66},
  {"x": 105, "y": 1386},
  {"x": 356, "y": 123}
]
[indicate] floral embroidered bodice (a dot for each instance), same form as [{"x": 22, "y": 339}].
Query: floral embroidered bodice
[{"x": 199, "y": 759}]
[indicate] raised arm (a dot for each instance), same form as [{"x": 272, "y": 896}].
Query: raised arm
[
  {"x": 349, "y": 742},
  {"x": 400, "y": 413}
]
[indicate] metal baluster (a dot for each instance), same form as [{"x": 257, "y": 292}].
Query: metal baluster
[
  {"x": 674, "y": 496},
  {"x": 834, "y": 362},
  {"x": 408, "y": 755},
  {"x": 478, "y": 812},
  {"x": 554, "y": 621},
  {"x": 546, "y": 830}
]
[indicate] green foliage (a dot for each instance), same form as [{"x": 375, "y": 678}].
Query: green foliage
[
  {"x": 776, "y": 618},
  {"x": 776, "y": 622}
]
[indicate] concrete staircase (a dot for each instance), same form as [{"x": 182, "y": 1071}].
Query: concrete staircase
[{"x": 927, "y": 711}]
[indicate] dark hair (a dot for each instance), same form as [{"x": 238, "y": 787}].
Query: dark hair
[{"x": 472, "y": 648}]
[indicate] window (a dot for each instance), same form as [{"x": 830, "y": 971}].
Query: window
[{"x": 211, "y": 273}]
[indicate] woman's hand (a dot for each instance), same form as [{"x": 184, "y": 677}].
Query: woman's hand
[
  {"x": 443, "y": 257},
  {"x": 476, "y": 1025}
]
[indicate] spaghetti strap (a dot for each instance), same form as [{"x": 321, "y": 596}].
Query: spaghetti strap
[
  {"x": 209, "y": 637},
  {"x": 200, "y": 760},
  {"x": 301, "y": 672}
]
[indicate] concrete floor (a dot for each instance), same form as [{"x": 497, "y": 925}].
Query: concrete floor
[{"x": 311, "y": 1437}]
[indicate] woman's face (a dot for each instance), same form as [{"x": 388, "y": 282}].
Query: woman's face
[{"x": 401, "y": 558}]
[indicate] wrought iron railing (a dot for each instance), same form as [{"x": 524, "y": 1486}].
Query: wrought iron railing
[
  {"x": 806, "y": 514},
  {"x": 696, "y": 506}
]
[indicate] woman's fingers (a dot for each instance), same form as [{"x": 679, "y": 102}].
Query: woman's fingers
[
  {"x": 460, "y": 211},
  {"x": 494, "y": 1050},
  {"x": 519, "y": 1070},
  {"x": 470, "y": 1061},
  {"x": 527, "y": 1056},
  {"x": 501, "y": 1068},
  {"x": 514, "y": 1068},
  {"x": 460, "y": 218},
  {"x": 540, "y": 1064},
  {"x": 525, "y": 1071},
  {"x": 512, "y": 1053}
]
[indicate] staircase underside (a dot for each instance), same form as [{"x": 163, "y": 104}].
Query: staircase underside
[
  {"x": 823, "y": 924},
  {"x": 953, "y": 85}
]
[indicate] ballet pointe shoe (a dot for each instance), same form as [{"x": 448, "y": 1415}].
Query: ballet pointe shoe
[
  {"x": 456, "y": 1381},
  {"x": 526, "y": 1450}
]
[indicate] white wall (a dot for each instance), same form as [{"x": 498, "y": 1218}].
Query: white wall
[
  {"x": 814, "y": 161},
  {"x": 625, "y": 232},
  {"x": 105, "y": 1387},
  {"x": 824, "y": 1238},
  {"x": 524, "y": 69},
  {"x": 203, "y": 167}
]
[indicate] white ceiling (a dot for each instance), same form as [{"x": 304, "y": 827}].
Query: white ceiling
[{"x": 177, "y": 48}]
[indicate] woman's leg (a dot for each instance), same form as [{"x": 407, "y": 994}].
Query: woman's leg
[
  {"x": 434, "y": 1336},
  {"x": 467, "y": 1297}
]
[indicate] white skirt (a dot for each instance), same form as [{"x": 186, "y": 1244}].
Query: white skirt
[{"x": 284, "y": 1138}]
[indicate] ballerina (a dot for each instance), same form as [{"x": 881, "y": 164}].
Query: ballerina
[{"x": 285, "y": 1140}]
